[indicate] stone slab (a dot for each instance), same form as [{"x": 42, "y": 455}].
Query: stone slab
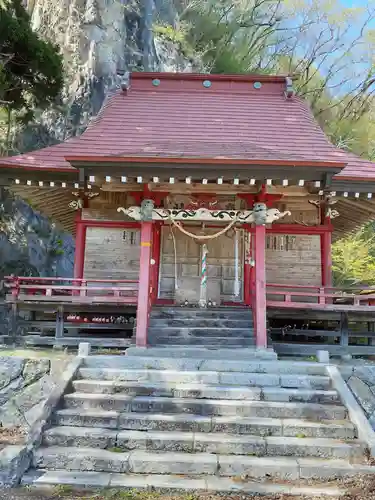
[
  {"x": 81, "y": 459},
  {"x": 172, "y": 463},
  {"x": 313, "y": 447},
  {"x": 78, "y": 417},
  {"x": 324, "y": 429},
  {"x": 299, "y": 395},
  {"x": 111, "y": 402},
  {"x": 75, "y": 479},
  {"x": 177, "y": 422},
  {"x": 86, "y": 437},
  {"x": 219, "y": 443},
  {"x": 157, "y": 482},
  {"x": 157, "y": 441},
  {"x": 258, "y": 467},
  {"x": 165, "y": 482},
  {"x": 305, "y": 381}
]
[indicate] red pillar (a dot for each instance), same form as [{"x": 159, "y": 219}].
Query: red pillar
[
  {"x": 79, "y": 253},
  {"x": 326, "y": 258},
  {"x": 156, "y": 240},
  {"x": 144, "y": 293},
  {"x": 259, "y": 302}
]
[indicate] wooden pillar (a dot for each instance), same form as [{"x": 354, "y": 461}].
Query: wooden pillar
[
  {"x": 59, "y": 333},
  {"x": 259, "y": 302},
  {"x": 326, "y": 258},
  {"x": 344, "y": 327},
  {"x": 79, "y": 254},
  {"x": 144, "y": 295},
  {"x": 247, "y": 268},
  {"x": 156, "y": 241}
]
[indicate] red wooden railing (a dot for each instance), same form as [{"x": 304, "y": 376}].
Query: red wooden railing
[
  {"x": 44, "y": 289},
  {"x": 295, "y": 295}
]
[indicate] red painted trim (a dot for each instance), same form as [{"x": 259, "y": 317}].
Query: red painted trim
[
  {"x": 144, "y": 296},
  {"x": 79, "y": 253},
  {"x": 260, "y": 287},
  {"x": 201, "y": 161}
]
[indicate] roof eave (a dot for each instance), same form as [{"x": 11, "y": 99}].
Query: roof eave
[{"x": 81, "y": 161}]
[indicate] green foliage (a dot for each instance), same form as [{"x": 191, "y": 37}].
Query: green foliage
[
  {"x": 354, "y": 259},
  {"x": 31, "y": 74},
  {"x": 178, "y": 36}
]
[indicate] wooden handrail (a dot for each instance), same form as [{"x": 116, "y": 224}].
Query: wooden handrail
[
  {"x": 74, "y": 287},
  {"x": 12, "y": 279},
  {"x": 316, "y": 287}
]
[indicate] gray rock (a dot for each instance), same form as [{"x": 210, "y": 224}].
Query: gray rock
[
  {"x": 34, "y": 369},
  {"x": 363, "y": 393},
  {"x": 10, "y": 368},
  {"x": 365, "y": 373},
  {"x": 34, "y": 394},
  {"x": 7, "y": 392},
  {"x": 14, "y": 461}
]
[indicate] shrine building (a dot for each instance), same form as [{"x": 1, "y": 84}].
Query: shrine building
[{"x": 198, "y": 191}]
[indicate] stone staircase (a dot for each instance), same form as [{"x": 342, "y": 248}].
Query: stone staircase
[
  {"x": 194, "y": 419},
  {"x": 186, "y": 326}
]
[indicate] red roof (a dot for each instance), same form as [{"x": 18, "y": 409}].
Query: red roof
[{"x": 181, "y": 118}]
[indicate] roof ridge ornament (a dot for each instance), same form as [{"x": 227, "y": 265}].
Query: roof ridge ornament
[
  {"x": 289, "y": 89},
  {"x": 124, "y": 80}
]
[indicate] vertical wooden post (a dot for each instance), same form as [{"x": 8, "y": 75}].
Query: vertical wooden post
[
  {"x": 79, "y": 254},
  {"x": 156, "y": 241},
  {"x": 326, "y": 258},
  {"x": 344, "y": 327},
  {"x": 260, "y": 286},
  {"x": 59, "y": 333},
  {"x": 247, "y": 269},
  {"x": 144, "y": 299}
]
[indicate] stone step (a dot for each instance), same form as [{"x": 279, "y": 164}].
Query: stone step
[
  {"x": 204, "y": 391},
  {"x": 200, "y": 323},
  {"x": 195, "y": 442},
  {"x": 207, "y": 333},
  {"x": 172, "y": 362},
  {"x": 182, "y": 483},
  {"x": 208, "y": 377},
  {"x": 78, "y": 417},
  {"x": 201, "y": 341},
  {"x": 205, "y": 407},
  {"x": 202, "y": 353},
  {"x": 148, "y": 462},
  {"x": 206, "y": 314}
]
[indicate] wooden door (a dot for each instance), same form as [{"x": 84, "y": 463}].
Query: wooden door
[{"x": 220, "y": 262}]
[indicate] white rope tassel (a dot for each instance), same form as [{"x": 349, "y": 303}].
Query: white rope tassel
[
  {"x": 203, "y": 288},
  {"x": 236, "y": 269},
  {"x": 175, "y": 258}
]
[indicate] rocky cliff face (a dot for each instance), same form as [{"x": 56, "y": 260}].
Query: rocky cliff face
[
  {"x": 100, "y": 40},
  {"x": 30, "y": 244}
]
